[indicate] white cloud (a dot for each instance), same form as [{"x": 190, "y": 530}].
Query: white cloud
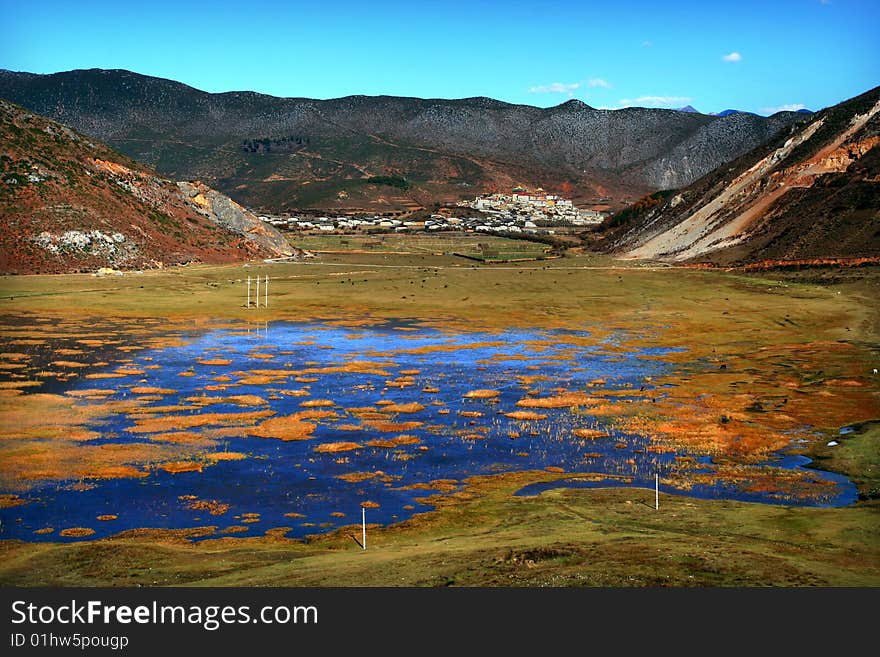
[
  {"x": 655, "y": 101},
  {"x": 556, "y": 88},
  {"x": 791, "y": 107},
  {"x": 732, "y": 57},
  {"x": 599, "y": 82}
]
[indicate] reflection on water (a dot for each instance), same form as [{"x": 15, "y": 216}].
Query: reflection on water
[{"x": 299, "y": 424}]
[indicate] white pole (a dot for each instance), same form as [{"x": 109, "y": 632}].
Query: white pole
[
  {"x": 657, "y": 491},
  {"x": 258, "y": 291},
  {"x": 249, "y": 292},
  {"x": 364, "y": 525},
  {"x": 266, "y": 305}
]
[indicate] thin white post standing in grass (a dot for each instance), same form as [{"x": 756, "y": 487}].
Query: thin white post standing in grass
[
  {"x": 656, "y": 491},
  {"x": 249, "y": 292},
  {"x": 364, "y": 526},
  {"x": 258, "y": 291},
  {"x": 266, "y": 287}
]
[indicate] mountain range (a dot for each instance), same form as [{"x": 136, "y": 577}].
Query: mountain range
[
  {"x": 811, "y": 193},
  {"x": 379, "y": 153},
  {"x": 69, "y": 203}
]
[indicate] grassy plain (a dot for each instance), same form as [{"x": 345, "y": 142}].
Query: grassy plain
[{"x": 765, "y": 356}]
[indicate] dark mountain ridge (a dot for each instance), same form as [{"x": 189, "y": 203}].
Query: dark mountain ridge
[{"x": 447, "y": 149}]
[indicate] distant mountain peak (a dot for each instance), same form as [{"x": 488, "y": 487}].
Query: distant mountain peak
[
  {"x": 690, "y": 109},
  {"x": 574, "y": 104}
]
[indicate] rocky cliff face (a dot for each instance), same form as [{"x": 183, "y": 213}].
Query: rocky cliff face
[
  {"x": 813, "y": 192},
  {"x": 228, "y": 214},
  {"x": 69, "y": 203},
  {"x": 278, "y": 153}
]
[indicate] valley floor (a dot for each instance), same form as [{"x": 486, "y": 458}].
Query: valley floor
[{"x": 765, "y": 355}]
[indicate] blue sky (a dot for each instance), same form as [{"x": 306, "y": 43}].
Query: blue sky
[{"x": 755, "y": 56}]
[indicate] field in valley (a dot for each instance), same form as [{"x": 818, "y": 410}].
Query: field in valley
[{"x": 377, "y": 372}]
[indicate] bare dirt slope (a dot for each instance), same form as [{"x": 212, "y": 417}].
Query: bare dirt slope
[
  {"x": 812, "y": 193},
  {"x": 68, "y": 203}
]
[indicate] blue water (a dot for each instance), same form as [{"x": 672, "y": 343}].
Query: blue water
[{"x": 279, "y": 477}]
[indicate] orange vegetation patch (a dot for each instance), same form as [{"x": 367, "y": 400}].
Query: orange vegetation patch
[
  {"x": 361, "y": 410},
  {"x": 182, "y": 437},
  {"x": 316, "y": 414},
  {"x": 337, "y": 514},
  {"x": 369, "y": 505},
  {"x": 89, "y": 392},
  {"x": 213, "y": 507},
  {"x": 391, "y": 427},
  {"x": 470, "y": 413},
  {"x": 76, "y": 532},
  {"x": 332, "y": 448},
  {"x": 389, "y": 443},
  {"x": 430, "y": 390},
  {"x": 225, "y": 456},
  {"x": 590, "y": 433},
  {"x": 563, "y": 400},
  {"x": 357, "y": 477},
  {"x": 313, "y": 403},
  {"x": 412, "y": 407},
  {"x": 554, "y": 468},
  {"x": 97, "y": 471},
  {"x": 8, "y": 500},
  {"x": 213, "y": 361},
  {"x": 68, "y": 363},
  {"x": 660, "y": 449},
  {"x": 294, "y": 514},
  {"x": 172, "y": 422},
  {"x": 4, "y": 385},
  {"x": 17, "y": 355},
  {"x": 288, "y": 427},
  {"x": 151, "y": 390},
  {"x": 294, "y": 393},
  {"x": 104, "y": 375},
  {"x": 482, "y": 394},
  {"x": 410, "y": 372},
  {"x": 239, "y": 400},
  {"x": 108, "y": 516},
  {"x": 348, "y": 427},
  {"x": 379, "y": 368},
  {"x": 176, "y": 467},
  {"x": 44, "y": 530},
  {"x": 525, "y": 415},
  {"x": 401, "y": 382},
  {"x": 129, "y": 371}
]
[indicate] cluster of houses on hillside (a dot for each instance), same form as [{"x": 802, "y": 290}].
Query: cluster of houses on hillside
[
  {"x": 437, "y": 222},
  {"x": 540, "y": 208},
  {"x": 518, "y": 212}
]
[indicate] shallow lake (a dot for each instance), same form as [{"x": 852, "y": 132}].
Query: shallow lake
[{"x": 388, "y": 413}]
